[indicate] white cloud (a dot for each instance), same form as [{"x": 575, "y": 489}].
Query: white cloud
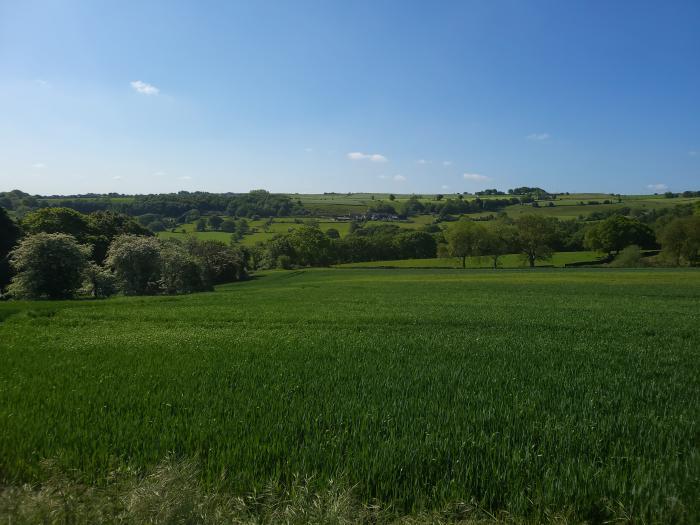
[
  {"x": 447, "y": 163},
  {"x": 144, "y": 88},
  {"x": 475, "y": 177},
  {"x": 39, "y": 166},
  {"x": 382, "y": 176},
  {"x": 159, "y": 173},
  {"x": 399, "y": 178},
  {"x": 185, "y": 177},
  {"x": 445, "y": 187},
  {"x": 42, "y": 82},
  {"x": 538, "y": 136},
  {"x": 693, "y": 153},
  {"x": 308, "y": 150},
  {"x": 421, "y": 161},
  {"x": 373, "y": 157},
  {"x": 657, "y": 187},
  {"x": 117, "y": 177}
]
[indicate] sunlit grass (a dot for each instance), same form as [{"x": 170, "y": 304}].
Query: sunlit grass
[{"x": 526, "y": 392}]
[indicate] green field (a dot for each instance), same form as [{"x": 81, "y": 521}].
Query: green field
[
  {"x": 558, "y": 260},
  {"x": 532, "y": 392},
  {"x": 261, "y": 233}
]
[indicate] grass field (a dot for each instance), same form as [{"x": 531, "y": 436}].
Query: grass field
[
  {"x": 558, "y": 260},
  {"x": 531, "y": 392},
  {"x": 260, "y": 233}
]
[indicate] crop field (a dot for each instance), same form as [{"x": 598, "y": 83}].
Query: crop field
[{"x": 573, "y": 392}]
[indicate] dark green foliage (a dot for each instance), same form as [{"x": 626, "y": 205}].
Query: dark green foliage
[
  {"x": 383, "y": 208},
  {"x": 97, "y": 229},
  {"x": 9, "y": 235},
  {"x": 332, "y": 233},
  {"x": 310, "y": 246},
  {"x": 535, "y": 237},
  {"x": 415, "y": 245},
  {"x": 136, "y": 262},
  {"x": 465, "y": 239},
  {"x": 180, "y": 272},
  {"x": 680, "y": 240},
  {"x": 617, "y": 232},
  {"x": 58, "y": 220},
  {"x": 215, "y": 222},
  {"x": 219, "y": 263}
]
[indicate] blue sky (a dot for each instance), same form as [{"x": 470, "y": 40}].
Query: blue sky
[{"x": 313, "y": 96}]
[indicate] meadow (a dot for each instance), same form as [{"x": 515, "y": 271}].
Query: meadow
[
  {"x": 527, "y": 394},
  {"x": 511, "y": 261}
]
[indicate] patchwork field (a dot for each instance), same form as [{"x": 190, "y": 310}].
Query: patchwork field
[{"x": 573, "y": 392}]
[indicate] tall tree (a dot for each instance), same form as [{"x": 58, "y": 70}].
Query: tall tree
[
  {"x": 617, "y": 232},
  {"x": 415, "y": 245},
  {"x": 58, "y": 220},
  {"x": 680, "y": 240},
  {"x": 535, "y": 235},
  {"x": 465, "y": 239},
  {"x": 500, "y": 239}
]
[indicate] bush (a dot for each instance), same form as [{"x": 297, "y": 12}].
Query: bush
[
  {"x": 629, "y": 257},
  {"x": 48, "y": 265},
  {"x": 284, "y": 262},
  {"x": 99, "y": 281},
  {"x": 219, "y": 262},
  {"x": 179, "y": 272},
  {"x": 136, "y": 263}
]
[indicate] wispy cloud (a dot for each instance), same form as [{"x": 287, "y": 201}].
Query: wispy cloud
[
  {"x": 399, "y": 178},
  {"x": 372, "y": 157},
  {"x": 657, "y": 187},
  {"x": 421, "y": 161},
  {"x": 447, "y": 163},
  {"x": 445, "y": 187},
  {"x": 184, "y": 177},
  {"x": 381, "y": 176},
  {"x": 308, "y": 150},
  {"x": 38, "y": 166},
  {"x": 117, "y": 177},
  {"x": 144, "y": 88},
  {"x": 475, "y": 177},
  {"x": 159, "y": 173},
  {"x": 538, "y": 136},
  {"x": 693, "y": 153}
]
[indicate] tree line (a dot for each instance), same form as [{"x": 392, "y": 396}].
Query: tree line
[
  {"x": 535, "y": 237},
  {"x": 176, "y": 206},
  {"x": 59, "y": 253}
]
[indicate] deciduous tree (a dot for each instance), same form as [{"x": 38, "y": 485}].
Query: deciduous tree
[{"x": 48, "y": 265}]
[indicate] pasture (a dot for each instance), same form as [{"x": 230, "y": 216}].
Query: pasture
[
  {"x": 535, "y": 393},
  {"x": 513, "y": 260}
]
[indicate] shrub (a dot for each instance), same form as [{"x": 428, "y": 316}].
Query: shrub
[
  {"x": 179, "y": 272},
  {"x": 629, "y": 257},
  {"x": 99, "y": 281},
  {"x": 48, "y": 265},
  {"x": 136, "y": 263},
  {"x": 284, "y": 262}
]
